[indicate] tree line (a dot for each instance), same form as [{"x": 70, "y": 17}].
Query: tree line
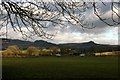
[{"x": 15, "y": 51}]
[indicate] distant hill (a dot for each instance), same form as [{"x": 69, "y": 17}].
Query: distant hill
[
  {"x": 82, "y": 45},
  {"x": 25, "y": 44},
  {"x": 44, "y": 44},
  {"x": 78, "y": 45},
  {"x": 20, "y": 43}
]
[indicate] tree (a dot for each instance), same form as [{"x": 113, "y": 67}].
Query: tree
[
  {"x": 55, "y": 50},
  {"x": 32, "y": 51},
  {"x": 12, "y": 51},
  {"x": 37, "y": 15}
]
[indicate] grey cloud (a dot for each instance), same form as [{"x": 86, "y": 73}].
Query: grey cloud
[{"x": 100, "y": 27}]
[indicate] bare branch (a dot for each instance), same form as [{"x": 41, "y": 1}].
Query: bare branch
[{"x": 35, "y": 15}]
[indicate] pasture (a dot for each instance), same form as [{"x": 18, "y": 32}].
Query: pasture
[{"x": 60, "y": 67}]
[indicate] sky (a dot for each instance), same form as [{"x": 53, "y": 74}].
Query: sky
[
  {"x": 102, "y": 33},
  {"x": 109, "y": 35}
]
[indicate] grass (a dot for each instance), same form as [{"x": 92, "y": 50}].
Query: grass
[{"x": 60, "y": 67}]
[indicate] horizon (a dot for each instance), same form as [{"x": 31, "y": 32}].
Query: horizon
[{"x": 59, "y": 43}]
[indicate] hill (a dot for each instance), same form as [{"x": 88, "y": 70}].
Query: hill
[{"x": 44, "y": 44}]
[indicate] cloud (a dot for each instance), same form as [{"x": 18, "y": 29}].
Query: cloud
[
  {"x": 90, "y": 17},
  {"x": 104, "y": 38}
]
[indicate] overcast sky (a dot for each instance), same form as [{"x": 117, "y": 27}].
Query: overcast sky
[{"x": 102, "y": 33}]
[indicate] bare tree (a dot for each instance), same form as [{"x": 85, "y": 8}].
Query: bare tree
[{"x": 38, "y": 15}]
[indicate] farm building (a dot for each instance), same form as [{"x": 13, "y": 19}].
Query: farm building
[
  {"x": 107, "y": 53},
  {"x": 57, "y": 54},
  {"x": 82, "y": 55}
]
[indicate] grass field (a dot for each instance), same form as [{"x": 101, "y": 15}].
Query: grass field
[{"x": 60, "y": 67}]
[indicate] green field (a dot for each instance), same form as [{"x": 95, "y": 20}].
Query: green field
[{"x": 60, "y": 67}]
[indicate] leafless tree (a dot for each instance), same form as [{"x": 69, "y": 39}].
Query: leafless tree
[{"x": 37, "y": 15}]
